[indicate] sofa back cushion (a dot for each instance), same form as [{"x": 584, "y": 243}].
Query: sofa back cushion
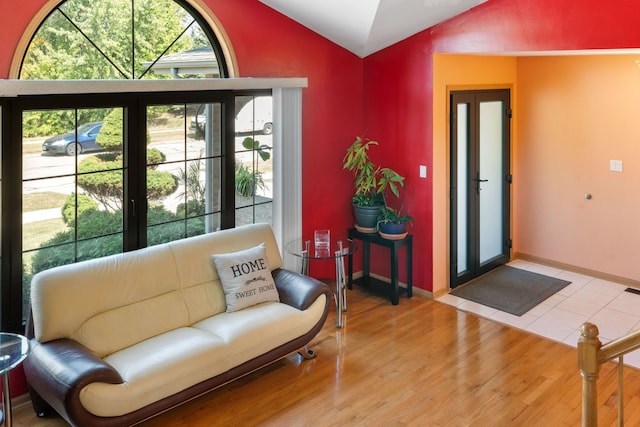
[
  {"x": 199, "y": 280},
  {"x": 109, "y": 303}
]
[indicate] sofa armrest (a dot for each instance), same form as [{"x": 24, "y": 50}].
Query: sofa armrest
[
  {"x": 298, "y": 290},
  {"x": 58, "y": 370}
]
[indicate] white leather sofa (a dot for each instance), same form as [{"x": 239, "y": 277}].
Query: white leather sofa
[{"x": 119, "y": 339}]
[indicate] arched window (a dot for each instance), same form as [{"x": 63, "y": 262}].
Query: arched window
[{"x": 122, "y": 39}]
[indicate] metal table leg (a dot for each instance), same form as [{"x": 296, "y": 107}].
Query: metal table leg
[
  {"x": 341, "y": 288},
  {"x": 6, "y": 400}
]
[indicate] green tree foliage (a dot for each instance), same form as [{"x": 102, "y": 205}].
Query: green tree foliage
[
  {"x": 110, "y": 136},
  {"x": 85, "y": 39}
]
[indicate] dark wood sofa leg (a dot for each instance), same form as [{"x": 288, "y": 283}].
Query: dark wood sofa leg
[{"x": 40, "y": 406}]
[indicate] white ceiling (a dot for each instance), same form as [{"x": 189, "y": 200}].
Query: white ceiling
[{"x": 367, "y": 26}]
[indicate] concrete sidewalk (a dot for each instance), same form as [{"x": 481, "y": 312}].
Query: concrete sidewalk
[{"x": 41, "y": 215}]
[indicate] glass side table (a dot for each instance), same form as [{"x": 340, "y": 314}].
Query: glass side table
[
  {"x": 337, "y": 249},
  {"x": 14, "y": 349}
]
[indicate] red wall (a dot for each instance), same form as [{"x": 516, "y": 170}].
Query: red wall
[{"x": 398, "y": 91}]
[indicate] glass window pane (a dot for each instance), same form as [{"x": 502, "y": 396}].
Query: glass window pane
[
  {"x": 72, "y": 187},
  {"x": 52, "y": 256},
  {"x": 99, "y": 247},
  {"x": 42, "y": 215},
  {"x": 183, "y": 168},
  {"x": 254, "y": 162}
]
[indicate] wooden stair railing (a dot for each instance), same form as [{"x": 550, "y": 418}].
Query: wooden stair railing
[{"x": 591, "y": 355}]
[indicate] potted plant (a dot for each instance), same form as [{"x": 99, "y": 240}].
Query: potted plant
[
  {"x": 370, "y": 183},
  {"x": 392, "y": 223}
]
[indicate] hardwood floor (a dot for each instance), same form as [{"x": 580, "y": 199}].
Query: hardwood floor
[{"x": 418, "y": 363}]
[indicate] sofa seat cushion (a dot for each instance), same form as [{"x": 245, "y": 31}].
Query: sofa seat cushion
[
  {"x": 256, "y": 330},
  {"x": 156, "y": 368},
  {"x": 173, "y": 361}
]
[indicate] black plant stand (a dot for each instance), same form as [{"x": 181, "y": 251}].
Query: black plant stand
[{"x": 394, "y": 245}]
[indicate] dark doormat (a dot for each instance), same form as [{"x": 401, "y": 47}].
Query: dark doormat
[{"x": 510, "y": 289}]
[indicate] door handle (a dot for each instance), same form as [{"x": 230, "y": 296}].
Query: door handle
[{"x": 478, "y": 181}]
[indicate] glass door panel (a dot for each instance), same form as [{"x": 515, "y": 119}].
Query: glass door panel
[
  {"x": 462, "y": 210},
  {"x": 491, "y": 180}
]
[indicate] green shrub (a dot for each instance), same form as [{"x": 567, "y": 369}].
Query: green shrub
[
  {"x": 192, "y": 208},
  {"x": 85, "y": 204},
  {"x": 155, "y": 157},
  {"x": 101, "y": 179},
  {"x": 160, "y": 184}
]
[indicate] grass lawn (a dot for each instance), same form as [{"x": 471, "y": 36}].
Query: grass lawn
[
  {"x": 42, "y": 200},
  {"x": 36, "y": 233}
]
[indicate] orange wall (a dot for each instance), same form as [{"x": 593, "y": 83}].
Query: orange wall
[
  {"x": 575, "y": 114},
  {"x": 457, "y": 72}
]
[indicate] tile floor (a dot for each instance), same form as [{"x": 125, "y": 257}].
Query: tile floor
[{"x": 586, "y": 299}]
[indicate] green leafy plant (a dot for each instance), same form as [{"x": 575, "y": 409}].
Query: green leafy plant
[
  {"x": 370, "y": 180},
  {"x": 390, "y": 215},
  {"x": 262, "y": 149},
  {"x": 247, "y": 181}
]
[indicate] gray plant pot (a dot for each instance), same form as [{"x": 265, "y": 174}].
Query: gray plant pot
[{"x": 366, "y": 216}]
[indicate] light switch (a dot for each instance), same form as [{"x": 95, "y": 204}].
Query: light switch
[
  {"x": 615, "y": 165},
  {"x": 423, "y": 171}
]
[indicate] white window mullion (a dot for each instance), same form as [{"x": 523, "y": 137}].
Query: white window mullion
[{"x": 287, "y": 170}]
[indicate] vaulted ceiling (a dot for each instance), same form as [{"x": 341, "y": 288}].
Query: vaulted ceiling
[{"x": 367, "y": 26}]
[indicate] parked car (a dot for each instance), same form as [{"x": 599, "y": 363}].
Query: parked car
[
  {"x": 69, "y": 145},
  {"x": 260, "y": 108}
]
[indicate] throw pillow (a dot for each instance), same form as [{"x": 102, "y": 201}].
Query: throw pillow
[{"x": 246, "y": 277}]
